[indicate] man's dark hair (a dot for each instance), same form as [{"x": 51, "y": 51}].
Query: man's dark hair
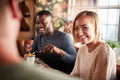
[{"x": 44, "y": 12}]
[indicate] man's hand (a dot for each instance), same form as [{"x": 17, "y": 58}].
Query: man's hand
[{"x": 52, "y": 49}]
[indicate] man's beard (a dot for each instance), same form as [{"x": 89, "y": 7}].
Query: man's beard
[{"x": 47, "y": 31}]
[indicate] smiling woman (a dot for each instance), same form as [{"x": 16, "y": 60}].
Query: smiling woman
[{"x": 99, "y": 57}]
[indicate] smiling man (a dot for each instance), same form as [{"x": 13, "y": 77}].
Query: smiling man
[{"x": 56, "y": 47}]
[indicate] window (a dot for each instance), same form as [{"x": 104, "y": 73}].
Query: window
[
  {"x": 109, "y": 24},
  {"x": 109, "y": 14}
]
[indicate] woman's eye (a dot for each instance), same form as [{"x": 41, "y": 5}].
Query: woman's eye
[{"x": 85, "y": 28}]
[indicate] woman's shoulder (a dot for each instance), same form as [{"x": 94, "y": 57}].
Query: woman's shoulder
[
  {"x": 105, "y": 49},
  {"x": 103, "y": 45}
]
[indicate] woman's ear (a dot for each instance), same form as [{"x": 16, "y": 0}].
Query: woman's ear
[{"x": 15, "y": 9}]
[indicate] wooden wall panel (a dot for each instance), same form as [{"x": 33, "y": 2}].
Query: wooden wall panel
[{"x": 29, "y": 21}]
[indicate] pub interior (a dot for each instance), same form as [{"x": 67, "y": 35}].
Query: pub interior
[{"x": 64, "y": 12}]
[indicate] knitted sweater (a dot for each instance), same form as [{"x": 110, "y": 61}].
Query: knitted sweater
[{"x": 99, "y": 64}]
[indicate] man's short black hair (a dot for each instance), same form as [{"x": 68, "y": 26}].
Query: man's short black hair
[{"x": 44, "y": 12}]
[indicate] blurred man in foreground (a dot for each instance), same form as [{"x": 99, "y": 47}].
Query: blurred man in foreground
[{"x": 11, "y": 65}]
